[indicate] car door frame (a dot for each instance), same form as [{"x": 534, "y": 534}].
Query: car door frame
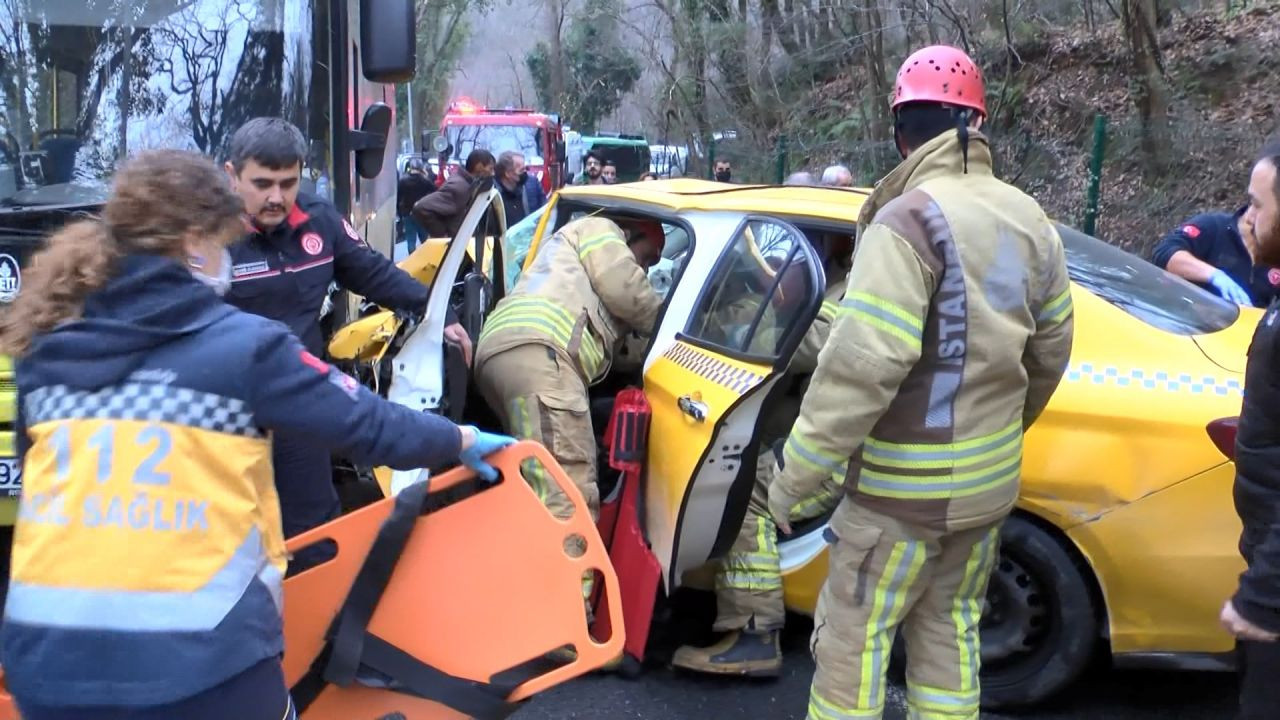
[{"x": 719, "y": 490}]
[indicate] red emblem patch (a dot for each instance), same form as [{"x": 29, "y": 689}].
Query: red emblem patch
[
  {"x": 312, "y": 243},
  {"x": 351, "y": 232},
  {"x": 1191, "y": 231},
  {"x": 1273, "y": 275},
  {"x": 314, "y": 362}
]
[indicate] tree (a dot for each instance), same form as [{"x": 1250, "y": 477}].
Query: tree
[
  {"x": 598, "y": 71},
  {"x": 443, "y": 32},
  {"x": 1146, "y": 76}
]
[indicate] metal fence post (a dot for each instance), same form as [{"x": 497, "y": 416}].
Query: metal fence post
[
  {"x": 711, "y": 158},
  {"x": 1095, "y": 173},
  {"x": 781, "y": 150}
]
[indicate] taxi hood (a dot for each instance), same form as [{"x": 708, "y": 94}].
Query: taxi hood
[{"x": 1229, "y": 348}]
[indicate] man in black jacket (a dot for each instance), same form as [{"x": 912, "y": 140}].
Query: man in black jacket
[
  {"x": 295, "y": 245},
  {"x": 416, "y": 183},
  {"x": 1253, "y": 614},
  {"x": 441, "y": 212}
]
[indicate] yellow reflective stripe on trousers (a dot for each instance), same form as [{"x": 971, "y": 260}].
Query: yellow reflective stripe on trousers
[
  {"x": 800, "y": 450},
  {"x": 937, "y": 487},
  {"x": 522, "y": 427},
  {"x": 966, "y": 612},
  {"x": 595, "y": 242},
  {"x": 1057, "y": 309},
  {"x": 885, "y": 315},
  {"x": 828, "y": 310},
  {"x": 822, "y": 709},
  {"x": 987, "y": 449},
  {"x": 928, "y": 703},
  {"x": 896, "y": 579}
]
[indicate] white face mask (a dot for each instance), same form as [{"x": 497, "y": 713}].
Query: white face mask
[{"x": 222, "y": 283}]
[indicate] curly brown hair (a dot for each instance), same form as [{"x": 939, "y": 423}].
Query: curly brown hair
[{"x": 159, "y": 198}]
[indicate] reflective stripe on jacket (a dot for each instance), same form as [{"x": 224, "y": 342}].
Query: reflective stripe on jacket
[
  {"x": 954, "y": 332},
  {"x": 582, "y": 293}
]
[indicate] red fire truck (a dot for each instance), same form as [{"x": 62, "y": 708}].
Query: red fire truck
[{"x": 538, "y": 136}]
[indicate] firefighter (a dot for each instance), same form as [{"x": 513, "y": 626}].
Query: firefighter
[
  {"x": 749, "y": 602},
  {"x": 555, "y": 335},
  {"x": 148, "y": 555},
  {"x": 296, "y": 244},
  {"x": 954, "y": 332}
]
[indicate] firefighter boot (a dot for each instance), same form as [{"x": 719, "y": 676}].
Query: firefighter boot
[{"x": 754, "y": 653}]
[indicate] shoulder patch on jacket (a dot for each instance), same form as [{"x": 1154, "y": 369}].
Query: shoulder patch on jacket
[
  {"x": 314, "y": 362},
  {"x": 1191, "y": 231},
  {"x": 908, "y": 216}
]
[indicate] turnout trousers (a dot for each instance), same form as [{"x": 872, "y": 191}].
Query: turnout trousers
[
  {"x": 540, "y": 396},
  {"x": 749, "y": 577},
  {"x": 886, "y": 574}
]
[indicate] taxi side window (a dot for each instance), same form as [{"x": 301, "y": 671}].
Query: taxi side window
[{"x": 756, "y": 292}]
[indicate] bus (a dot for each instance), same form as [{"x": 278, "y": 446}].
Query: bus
[{"x": 89, "y": 82}]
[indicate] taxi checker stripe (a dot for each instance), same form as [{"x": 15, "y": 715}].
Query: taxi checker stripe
[
  {"x": 717, "y": 371},
  {"x": 1153, "y": 380},
  {"x": 141, "y": 401}
]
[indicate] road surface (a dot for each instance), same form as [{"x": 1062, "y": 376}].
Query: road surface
[{"x": 663, "y": 694}]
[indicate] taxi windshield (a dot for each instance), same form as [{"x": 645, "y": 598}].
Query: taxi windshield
[
  {"x": 1143, "y": 290},
  {"x": 87, "y": 82}
]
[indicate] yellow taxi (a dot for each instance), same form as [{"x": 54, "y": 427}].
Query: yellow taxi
[{"x": 1124, "y": 536}]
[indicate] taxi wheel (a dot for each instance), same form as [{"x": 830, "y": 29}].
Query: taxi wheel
[{"x": 1040, "y": 625}]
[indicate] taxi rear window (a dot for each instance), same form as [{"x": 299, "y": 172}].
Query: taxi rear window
[{"x": 1143, "y": 290}]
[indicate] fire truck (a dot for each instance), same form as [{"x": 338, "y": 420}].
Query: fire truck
[{"x": 538, "y": 136}]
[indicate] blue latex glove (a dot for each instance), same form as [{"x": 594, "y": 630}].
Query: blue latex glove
[
  {"x": 1228, "y": 288},
  {"x": 486, "y": 444}
]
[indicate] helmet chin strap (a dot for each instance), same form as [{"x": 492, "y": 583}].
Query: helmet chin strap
[{"x": 962, "y": 129}]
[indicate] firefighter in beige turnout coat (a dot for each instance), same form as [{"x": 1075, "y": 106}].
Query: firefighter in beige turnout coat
[
  {"x": 555, "y": 335},
  {"x": 955, "y": 330}
]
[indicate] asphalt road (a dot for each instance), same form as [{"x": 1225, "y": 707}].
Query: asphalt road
[{"x": 663, "y": 694}]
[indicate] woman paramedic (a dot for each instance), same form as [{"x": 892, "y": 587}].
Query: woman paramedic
[{"x": 148, "y": 556}]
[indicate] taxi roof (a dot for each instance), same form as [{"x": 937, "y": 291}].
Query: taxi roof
[{"x": 830, "y": 203}]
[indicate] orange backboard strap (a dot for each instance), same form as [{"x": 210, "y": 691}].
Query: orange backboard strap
[{"x": 352, "y": 651}]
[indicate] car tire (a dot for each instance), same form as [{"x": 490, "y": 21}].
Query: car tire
[{"x": 1040, "y": 624}]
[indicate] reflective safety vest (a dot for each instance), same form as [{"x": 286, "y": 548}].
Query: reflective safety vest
[{"x": 148, "y": 557}]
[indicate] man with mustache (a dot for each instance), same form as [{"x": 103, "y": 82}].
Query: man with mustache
[
  {"x": 1253, "y": 614},
  {"x": 295, "y": 245}
]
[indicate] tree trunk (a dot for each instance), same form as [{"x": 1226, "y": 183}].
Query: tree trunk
[
  {"x": 1150, "y": 91},
  {"x": 873, "y": 61},
  {"x": 558, "y": 9}
]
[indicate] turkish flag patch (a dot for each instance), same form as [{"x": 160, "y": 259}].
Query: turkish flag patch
[
  {"x": 314, "y": 362},
  {"x": 1191, "y": 231}
]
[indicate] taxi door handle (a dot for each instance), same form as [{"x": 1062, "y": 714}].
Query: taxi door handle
[{"x": 695, "y": 409}]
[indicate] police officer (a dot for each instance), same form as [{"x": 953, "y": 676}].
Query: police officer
[
  {"x": 296, "y": 244},
  {"x": 148, "y": 554},
  {"x": 1216, "y": 251}
]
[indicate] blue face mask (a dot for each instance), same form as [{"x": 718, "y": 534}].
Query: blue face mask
[{"x": 220, "y": 284}]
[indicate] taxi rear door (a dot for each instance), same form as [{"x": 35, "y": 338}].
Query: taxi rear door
[{"x": 736, "y": 315}]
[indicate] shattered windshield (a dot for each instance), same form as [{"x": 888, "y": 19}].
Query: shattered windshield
[
  {"x": 84, "y": 83},
  {"x": 497, "y": 139},
  {"x": 1143, "y": 290}
]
